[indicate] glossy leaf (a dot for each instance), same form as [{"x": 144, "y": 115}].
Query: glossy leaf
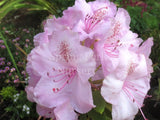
[{"x": 99, "y": 102}]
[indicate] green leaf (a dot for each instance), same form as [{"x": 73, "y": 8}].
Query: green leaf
[
  {"x": 150, "y": 20},
  {"x": 107, "y": 112},
  {"x": 97, "y": 81},
  {"x": 109, "y": 107},
  {"x": 82, "y": 117},
  {"x": 99, "y": 102},
  {"x": 96, "y": 116},
  {"x": 2, "y": 2},
  {"x": 8, "y": 92},
  {"x": 9, "y": 109},
  {"x": 7, "y": 7}
]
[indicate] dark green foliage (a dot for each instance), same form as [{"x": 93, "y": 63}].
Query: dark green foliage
[
  {"x": 102, "y": 111},
  {"x": 12, "y": 106},
  {"x": 18, "y": 108},
  {"x": 99, "y": 102},
  {"x": 8, "y": 92}
]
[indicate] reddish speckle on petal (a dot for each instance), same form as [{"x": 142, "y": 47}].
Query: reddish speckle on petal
[
  {"x": 132, "y": 45},
  {"x": 54, "y": 89},
  {"x": 64, "y": 51},
  {"x": 53, "y": 69},
  {"x": 47, "y": 73}
]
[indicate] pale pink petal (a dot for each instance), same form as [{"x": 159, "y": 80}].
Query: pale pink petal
[
  {"x": 123, "y": 17},
  {"x": 82, "y": 6},
  {"x": 84, "y": 101},
  {"x": 53, "y": 25},
  {"x": 79, "y": 28},
  {"x": 111, "y": 7},
  {"x": 74, "y": 14},
  {"x": 121, "y": 71},
  {"x": 125, "y": 109},
  {"x": 138, "y": 67},
  {"x": 100, "y": 29},
  {"x": 46, "y": 96},
  {"x": 145, "y": 48},
  {"x": 120, "y": 26},
  {"x": 36, "y": 64},
  {"x": 44, "y": 111},
  {"x": 98, "y": 75},
  {"x": 65, "y": 112},
  {"x": 29, "y": 90},
  {"x": 130, "y": 40},
  {"x": 108, "y": 63},
  {"x": 111, "y": 89},
  {"x": 40, "y": 38},
  {"x": 137, "y": 89}
]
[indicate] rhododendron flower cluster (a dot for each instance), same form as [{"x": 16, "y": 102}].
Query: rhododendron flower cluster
[{"x": 90, "y": 42}]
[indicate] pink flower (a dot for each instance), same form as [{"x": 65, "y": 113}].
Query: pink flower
[
  {"x": 89, "y": 36},
  {"x": 50, "y": 27},
  {"x": 145, "y": 49},
  {"x": 97, "y": 20},
  {"x": 59, "y": 71},
  {"x": 126, "y": 87},
  {"x": 89, "y": 19},
  {"x": 117, "y": 39}
]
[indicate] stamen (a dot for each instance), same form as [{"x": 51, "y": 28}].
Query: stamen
[
  {"x": 116, "y": 31},
  {"x": 64, "y": 78},
  {"x": 140, "y": 93},
  {"x": 134, "y": 84},
  {"x": 132, "y": 98},
  {"x": 55, "y": 75},
  {"x": 92, "y": 21},
  {"x": 67, "y": 82},
  {"x": 128, "y": 95},
  {"x": 111, "y": 49},
  {"x": 148, "y": 96}
]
